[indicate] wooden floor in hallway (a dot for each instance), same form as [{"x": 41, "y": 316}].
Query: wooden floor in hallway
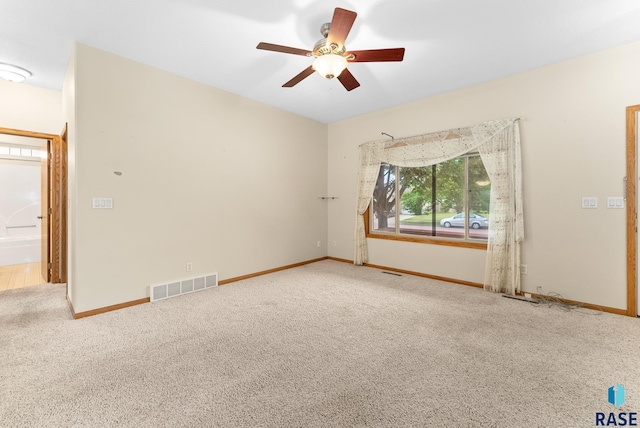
[{"x": 19, "y": 276}]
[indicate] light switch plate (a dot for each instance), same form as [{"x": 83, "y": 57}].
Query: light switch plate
[
  {"x": 615, "y": 202},
  {"x": 102, "y": 203},
  {"x": 589, "y": 202}
]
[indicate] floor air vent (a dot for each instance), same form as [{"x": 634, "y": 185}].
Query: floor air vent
[{"x": 172, "y": 289}]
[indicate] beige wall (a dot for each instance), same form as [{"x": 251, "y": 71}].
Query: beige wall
[
  {"x": 30, "y": 108},
  {"x": 573, "y": 143},
  {"x": 69, "y": 116},
  {"x": 208, "y": 177}
]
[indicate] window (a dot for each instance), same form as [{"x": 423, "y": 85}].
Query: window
[
  {"x": 448, "y": 201},
  {"x": 19, "y": 152}
]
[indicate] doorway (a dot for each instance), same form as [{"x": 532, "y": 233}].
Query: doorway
[
  {"x": 53, "y": 201},
  {"x": 20, "y": 212}
]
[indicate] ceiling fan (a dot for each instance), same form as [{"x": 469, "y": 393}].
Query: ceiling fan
[{"x": 331, "y": 56}]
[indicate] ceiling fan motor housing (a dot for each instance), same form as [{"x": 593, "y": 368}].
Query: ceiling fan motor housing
[{"x": 322, "y": 47}]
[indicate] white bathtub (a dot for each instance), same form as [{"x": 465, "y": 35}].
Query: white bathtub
[{"x": 15, "y": 250}]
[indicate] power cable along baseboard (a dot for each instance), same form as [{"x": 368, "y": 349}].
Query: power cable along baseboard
[
  {"x": 391, "y": 273},
  {"x": 523, "y": 299}
]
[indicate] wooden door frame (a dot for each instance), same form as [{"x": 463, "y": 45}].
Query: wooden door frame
[
  {"x": 61, "y": 200},
  {"x": 632, "y": 215},
  {"x": 45, "y": 210},
  {"x": 58, "y": 201}
]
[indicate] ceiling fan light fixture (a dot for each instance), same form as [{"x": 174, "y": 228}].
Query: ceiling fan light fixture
[
  {"x": 329, "y": 65},
  {"x": 331, "y": 55},
  {"x": 13, "y": 73}
]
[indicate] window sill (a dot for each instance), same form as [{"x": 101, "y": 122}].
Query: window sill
[{"x": 430, "y": 241}]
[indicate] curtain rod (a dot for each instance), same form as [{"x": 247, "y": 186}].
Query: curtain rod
[{"x": 384, "y": 133}]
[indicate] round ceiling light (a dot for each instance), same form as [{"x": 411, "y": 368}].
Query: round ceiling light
[
  {"x": 329, "y": 65},
  {"x": 12, "y": 73}
]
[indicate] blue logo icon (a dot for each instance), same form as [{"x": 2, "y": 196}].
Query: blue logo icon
[{"x": 616, "y": 395}]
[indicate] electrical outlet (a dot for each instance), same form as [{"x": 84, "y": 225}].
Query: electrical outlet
[
  {"x": 189, "y": 266},
  {"x": 527, "y": 295},
  {"x": 334, "y": 243},
  {"x": 523, "y": 269},
  {"x": 318, "y": 244}
]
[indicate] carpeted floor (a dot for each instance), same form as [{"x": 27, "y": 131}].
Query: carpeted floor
[{"x": 323, "y": 345}]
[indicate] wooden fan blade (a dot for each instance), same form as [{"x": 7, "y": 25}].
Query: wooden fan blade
[
  {"x": 299, "y": 78},
  {"x": 283, "y": 49},
  {"x": 340, "y": 26},
  {"x": 348, "y": 81},
  {"x": 377, "y": 55}
]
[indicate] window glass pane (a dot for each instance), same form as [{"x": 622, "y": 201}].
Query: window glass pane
[
  {"x": 416, "y": 200},
  {"x": 4, "y": 150},
  {"x": 450, "y": 198},
  {"x": 479, "y": 197},
  {"x": 25, "y": 152},
  {"x": 433, "y": 197},
  {"x": 447, "y": 200},
  {"x": 384, "y": 199},
  {"x": 15, "y": 151}
]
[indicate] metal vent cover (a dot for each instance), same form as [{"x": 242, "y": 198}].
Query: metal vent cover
[{"x": 184, "y": 286}]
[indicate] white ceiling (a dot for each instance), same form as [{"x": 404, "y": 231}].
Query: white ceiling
[{"x": 449, "y": 44}]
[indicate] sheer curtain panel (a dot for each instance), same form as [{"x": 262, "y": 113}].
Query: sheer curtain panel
[{"x": 370, "y": 155}]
